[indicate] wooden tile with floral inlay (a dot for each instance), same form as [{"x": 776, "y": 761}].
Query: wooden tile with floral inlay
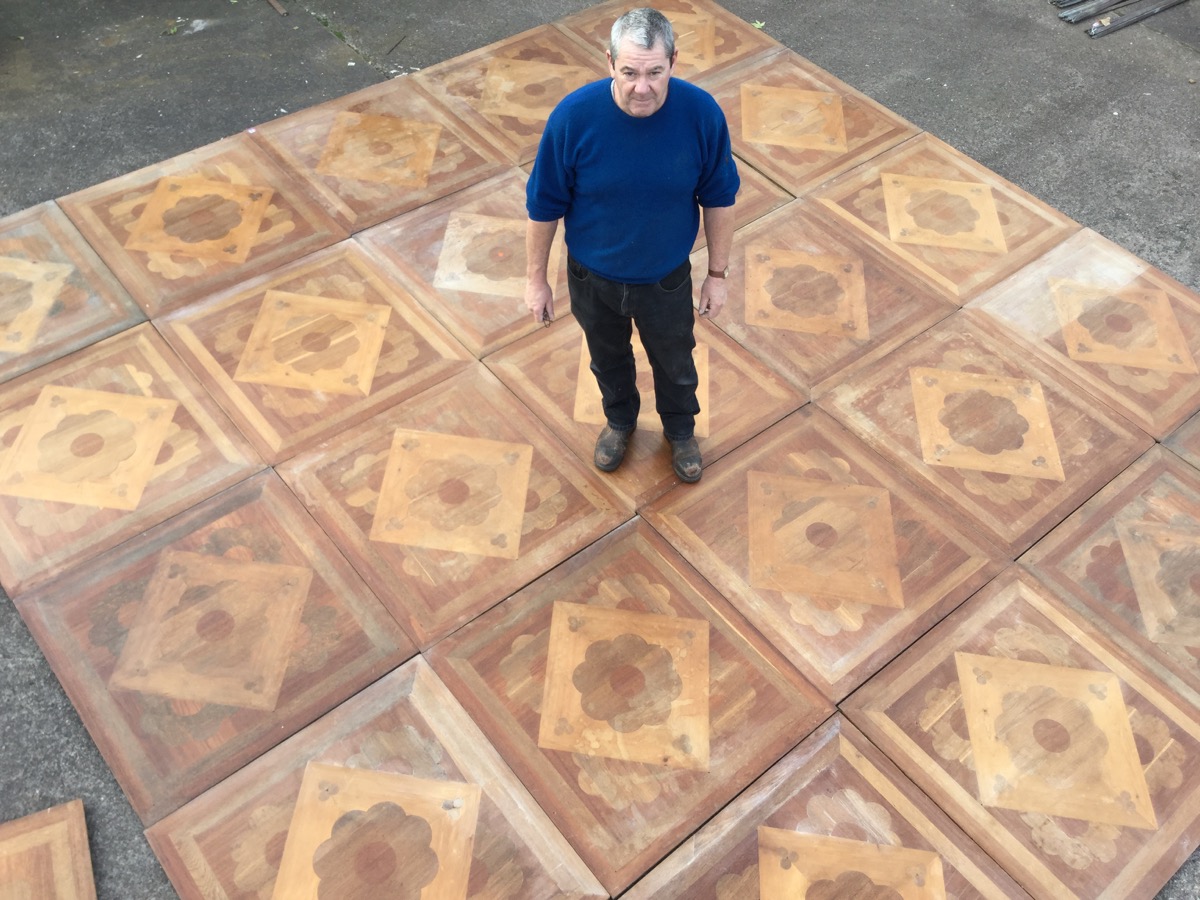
[
  {"x": 798, "y": 124},
  {"x": 1128, "y": 558},
  {"x": 831, "y": 555},
  {"x": 1125, "y": 331},
  {"x": 833, "y": 818},
  {"x": 506, "y": 90},
  {"x": 313, "y": 348},
  {"x": 99, "y": 446},
  {"x": 708, "y": 37},
  {"x": 813, "y": 305},
  {"x": 381, "y": 151},
  {"x": 200, "y": 223},
  {"x": 45, "y": 856},
  {"x": 55, "y": 294},
  {"x": 193, "y": 648},
  {"x": 990, "y": 429},
  {"x": 943, "y": 216},
  {"x": 628, "y": 696},
  {"x": 1057, "y": 753},
  {"x": 738, "y": 395},
  {"x": 394, "y": 794},
  {"x": 452, "y": 500},
  {"x": 463, "y": 257}
]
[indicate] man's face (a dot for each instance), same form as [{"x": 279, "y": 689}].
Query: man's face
[{"x": 640, "y": 77}]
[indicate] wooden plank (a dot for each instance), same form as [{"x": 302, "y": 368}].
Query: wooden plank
[{"x": 45, "y": 855}]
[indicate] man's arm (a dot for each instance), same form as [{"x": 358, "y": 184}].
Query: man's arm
[
  {"x": 539, "y": 298},
  {"x": 718, "y": 232}
]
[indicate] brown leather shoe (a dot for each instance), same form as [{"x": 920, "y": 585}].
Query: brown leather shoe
[
  {"x": 685, "y": 460},
  {"x": 610, "y": 448}
]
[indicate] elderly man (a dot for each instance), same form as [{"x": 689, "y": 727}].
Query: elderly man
[{"x": 628, "y": 164}]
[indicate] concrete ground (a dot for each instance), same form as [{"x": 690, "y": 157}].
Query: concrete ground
[{"x": 1105, "y": 130}]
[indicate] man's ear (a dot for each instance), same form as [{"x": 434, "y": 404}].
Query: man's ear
[
  {"x": 674, "y": 57},
  {"x": 611, "y": 63}
]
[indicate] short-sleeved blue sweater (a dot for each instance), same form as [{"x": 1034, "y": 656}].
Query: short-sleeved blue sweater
[{"x": 628, "y": 189}]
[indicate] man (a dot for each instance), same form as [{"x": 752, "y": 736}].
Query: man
[{"x": 628, "y": 164}]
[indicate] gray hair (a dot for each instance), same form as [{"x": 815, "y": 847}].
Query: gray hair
[{"x": 645, "y": 27}]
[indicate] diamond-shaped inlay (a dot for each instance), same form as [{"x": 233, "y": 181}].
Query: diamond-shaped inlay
[
  {"x": 941, "y": 213},
  {"x": 791, "y": 117},
  {"x": 485, "y": 255},
  {"x": 988, "y": 423},
  {"x": 28, "y": 291},
  {"x": 528, "y": 90},
  {"x": 626, "y": 685},
  {"x": 92, "y": 448},
  {"x": 793, "y": 291},
  {"x": 695, "y": 38},
  {"x": 314, "y": 344},
  {"x": 1162, "y": 563},
  {"x": 589, "y": 405},
  {"x": 382, "y": 149},
  {"x": 362, "y": 833},
  {"x": 1053, "y": 740},
  {"x": 214, "y": 630},
  {"x": 1128, "y": 327},
  {"x": 793, "y": 864},
  {"x": 822, "y": 539},
  {"x": 447, "y": 492},
  {"x": 197, "y": 217}
]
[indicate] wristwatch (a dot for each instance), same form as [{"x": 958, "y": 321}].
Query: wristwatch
[{"x": 719, "y": 273}]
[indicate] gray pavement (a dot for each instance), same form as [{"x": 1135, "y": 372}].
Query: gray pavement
[{"x": 1105, "y": 130}]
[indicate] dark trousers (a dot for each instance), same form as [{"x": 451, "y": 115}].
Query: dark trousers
[{"x": 607, "y": 310}]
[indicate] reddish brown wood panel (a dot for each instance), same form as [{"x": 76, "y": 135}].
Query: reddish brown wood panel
[
  {"x": 756, "y": 197},
  {"x": 381, "y": 151},
  {"x": 1054, "y": 751},
  {"x": 396, "y": 787},
  {"x": 55, "y": 294},
  {"x": 943, "y": 216},
  {"x": 200, "y": 223},
  {"x": 45, "y": 855},
  {"x": 824, "y": 548},
  {"x": 990, "y": 429},
  {"x": 628, "y": 696},
  {"x": 313, "y": 349},
  {"x": 99, "y": 446}
]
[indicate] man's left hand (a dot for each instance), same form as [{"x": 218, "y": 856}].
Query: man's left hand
[{"x": 712, "y": 296}]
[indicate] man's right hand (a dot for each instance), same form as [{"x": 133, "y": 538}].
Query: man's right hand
[{"x": 539, "y": 300}]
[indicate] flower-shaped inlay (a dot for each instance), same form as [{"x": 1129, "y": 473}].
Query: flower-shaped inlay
[
  {"x": 627, "y": 682},
  {"x": 453, "y": 492},
  {"x": 942, "y": 212},
  {"x": 796, "y": 865},
  {"x": 208, "y": 217},
  {"x": 87, "y": 446},
  {"x": 1119, "y": 323},
  {"x": 850, "y": 884},
  {"x": 199, "y": 219},
  {"x": 938, "y": 212},
  {"x": 805, "y": 291},
  {"x": 325, "y": 342},
  {"x": 984, "y": 421},
  {"x": 497, "y": 255},
  {"x": 382, "y": 852}
]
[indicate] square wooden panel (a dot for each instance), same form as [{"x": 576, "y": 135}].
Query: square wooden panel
[
  {"x": 549, "y": 371},
  {"x": 991, "y": 430},
  {"x": 452, "y": 500},
  {"x": 606, "y": 646},
  {"x": 833, "y": 818},
  {"x": 313, "y": 348},
  {"x": 1069, "y": 765},
  {"x": 381, "y": 151},
  {"x": 200, "y": 223},
  {"x": 824, "y": 548},
  {"x": 815, "y": 306},
  {"x": 193, "y": 648},
  {"x": 506, "y": 90},
  {"x": 944, "y": 217},
  {"x": 1122, "y": 329},
  {"x": 464, "y": 259},
  {"x": 55, "y": 294},
  {"x": 798, "y": 124},
  {"x": 399, "y": 768},
  {"x": 45, "y": 855},
  {"x": 1127, "y": 558},
  {"x": 708, "y": 37},
  {"x": 101, "y": 445}
]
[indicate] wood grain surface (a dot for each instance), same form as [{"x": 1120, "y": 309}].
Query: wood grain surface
[{"x": 45, "y": 855}]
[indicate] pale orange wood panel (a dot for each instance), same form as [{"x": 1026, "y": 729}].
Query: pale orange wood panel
[{"x": 45, "y": 855}]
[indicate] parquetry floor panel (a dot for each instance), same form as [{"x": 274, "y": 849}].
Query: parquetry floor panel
[
  {"x": 829, "y": 553},
  {"x": 199, "y": 223},
  {"x": 834, "y": 818},
  {"x": 1065, "y": 762},
  {"x": 55, "y": 294},
  {"x": 313, "y": 349},
  {"x": 381, "y": 151},
  {"x": 628, "y": 697},
  {"x": 101, "y": 445},
  {"x": 193, "y": 648},
  {"x": 944, "y": 216},
  {"x": 46, "y": 856},
  {"x": 394, "y": 794},
  {"x": 1118, "y": 326},
  {"x": 993, "y": 431},
  {"x": 452, "y": 500}
]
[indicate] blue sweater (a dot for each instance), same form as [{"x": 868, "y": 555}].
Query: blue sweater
[{"x": 629, "y": 189}]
